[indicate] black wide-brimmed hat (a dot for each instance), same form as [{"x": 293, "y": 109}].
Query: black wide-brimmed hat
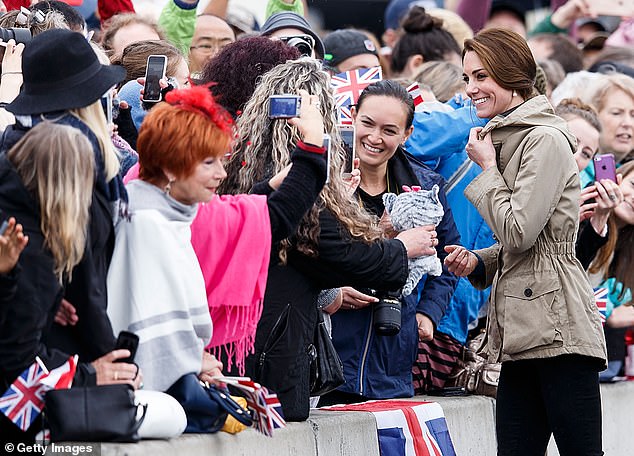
[{"x": 61, "y": 71}]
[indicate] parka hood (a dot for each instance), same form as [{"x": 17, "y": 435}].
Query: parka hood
[{"x": 534, "y": 112}]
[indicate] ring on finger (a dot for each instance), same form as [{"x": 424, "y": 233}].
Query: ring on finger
[
  {"x": 352, "y": 306},
  {"x": 116, "y": 375},
  {"x": 612, "y": 196}
]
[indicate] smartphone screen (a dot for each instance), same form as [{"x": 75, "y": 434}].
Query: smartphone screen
[
  {"x": 154, "y": 71},
  {"x": 348, "y": 137},
  {"x": 129, "y": 341},
  {"x": 604, "y": 167}
]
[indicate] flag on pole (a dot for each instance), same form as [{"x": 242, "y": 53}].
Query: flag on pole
[
  {"x": 407, "y": 428},
  {"x": 348, "y": 86},
  {"x": 24, "y": 400}
]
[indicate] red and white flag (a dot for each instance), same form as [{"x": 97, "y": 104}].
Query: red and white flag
[
  {"x": 348, "y": 86},
  {"x": 407, "y": 428},
  {"x": 24, "y": 400},
  {"x": 416, "y": 94}
]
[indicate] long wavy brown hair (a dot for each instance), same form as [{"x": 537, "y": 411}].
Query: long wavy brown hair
[
  {"x": 616, "y": 257},
  {"x": 264, "y": 148}
]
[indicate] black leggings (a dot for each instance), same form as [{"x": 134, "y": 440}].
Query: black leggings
[{"x": 540, "y": 397}]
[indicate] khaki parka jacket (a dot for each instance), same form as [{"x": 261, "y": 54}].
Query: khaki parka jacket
[{"x": 541, "y": 304}]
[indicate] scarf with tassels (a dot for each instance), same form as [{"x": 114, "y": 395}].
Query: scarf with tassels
[{"x": 231, "y": 236}]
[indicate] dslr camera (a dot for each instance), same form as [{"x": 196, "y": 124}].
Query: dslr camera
[
  {"x": 303, "y": 43},
  {"x": 386, "y": 313},
  {"x": 20, "y": 35}
]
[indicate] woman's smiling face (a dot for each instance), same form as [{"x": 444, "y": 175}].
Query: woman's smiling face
[
  {"x": 380, "y": 128},
  {"x": 488, "y": 97}
]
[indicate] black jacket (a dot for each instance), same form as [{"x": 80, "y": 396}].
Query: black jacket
[
  {"x": 588, "y": 244},
  {"x": 92, "y": 336},
  {"x": 31, "y": 293},
  {"x": 283, "y": 343}
]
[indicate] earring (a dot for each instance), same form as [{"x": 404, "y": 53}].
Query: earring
[
  {"x": 514, "y": 93},
  {"x": 168, "y": 187}
]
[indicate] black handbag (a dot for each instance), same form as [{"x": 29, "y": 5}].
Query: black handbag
[
  {"x": 327, "y": 369},
  {"x": 105, "y": 413},
  {"x": 206, "y": 407}
]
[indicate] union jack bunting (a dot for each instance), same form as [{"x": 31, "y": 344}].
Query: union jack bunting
[
  {"x": 24, "y": 400},
  {"x": 348, "y": 86},
  {"x": 601, "y": 298},
  {"x": 414, "y": 92}
]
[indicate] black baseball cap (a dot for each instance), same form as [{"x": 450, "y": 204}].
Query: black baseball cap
[{"x": 345, "y": 43}]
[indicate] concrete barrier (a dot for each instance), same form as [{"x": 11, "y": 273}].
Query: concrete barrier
[{"x": 471, "y": 422}]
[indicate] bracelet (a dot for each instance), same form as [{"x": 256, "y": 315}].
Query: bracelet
[{"x": 11, "y": 72}]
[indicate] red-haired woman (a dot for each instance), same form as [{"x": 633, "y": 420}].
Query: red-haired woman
[{"x": 156, "y": 286}]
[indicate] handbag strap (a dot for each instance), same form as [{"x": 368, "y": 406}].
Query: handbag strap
[{"x": 139, "y": 422}]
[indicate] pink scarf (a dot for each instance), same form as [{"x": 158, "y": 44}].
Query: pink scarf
[{"x": 231, "y": 236}]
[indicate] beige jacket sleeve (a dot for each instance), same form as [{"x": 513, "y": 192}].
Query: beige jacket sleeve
[{"x": 489, "y": 257}]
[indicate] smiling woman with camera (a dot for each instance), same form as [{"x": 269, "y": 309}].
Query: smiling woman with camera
[{"x": 376, "y": 355}]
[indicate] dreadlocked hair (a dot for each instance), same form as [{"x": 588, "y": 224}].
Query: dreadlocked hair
[{"x": 264, "y": 148}]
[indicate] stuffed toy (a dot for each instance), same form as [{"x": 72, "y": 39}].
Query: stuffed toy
[{"x": 412, "y": 208}]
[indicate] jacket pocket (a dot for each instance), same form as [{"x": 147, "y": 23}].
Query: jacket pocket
[{"x": 529, "y": 319}]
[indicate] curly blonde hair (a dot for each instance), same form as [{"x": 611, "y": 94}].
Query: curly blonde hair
[{"x": 264, "y": 148}]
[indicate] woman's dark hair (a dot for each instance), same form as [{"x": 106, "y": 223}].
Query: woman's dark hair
[
  {"x": 134, "y": 58},
  {"x": 389, "y": 88},
  {"x": 424, "y": 35},
  {"x": 235, "y": 70},
  {"x": 507, "y": 58}
]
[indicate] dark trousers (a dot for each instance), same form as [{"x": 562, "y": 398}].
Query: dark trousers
[{"x": 540, "y": 397}]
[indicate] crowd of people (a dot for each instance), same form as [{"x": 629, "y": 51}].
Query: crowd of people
[{"x": 221, "y": 235}]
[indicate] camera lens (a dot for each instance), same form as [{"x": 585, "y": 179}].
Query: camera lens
[
  {"x": 387, "y": 315},
  {"x": 303, "y": 46},
  {"x": 20, "y": 35}
]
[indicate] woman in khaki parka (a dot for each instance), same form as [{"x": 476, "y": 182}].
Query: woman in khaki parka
[{"x": 543, "y": 324}]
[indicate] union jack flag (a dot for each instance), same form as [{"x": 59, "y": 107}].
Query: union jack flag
[
  {"x": 24, "y": 400},
  {"x": 266, "y": 407},
  {"x": 601, "y": 298},
  {"x": 349, "y": 85},
  {"x": 415, "y": 93}
]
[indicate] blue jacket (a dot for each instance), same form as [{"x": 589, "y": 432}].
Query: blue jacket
[
  {"x": 377, "y": 366},
  {"x": 439, "y": 141}
]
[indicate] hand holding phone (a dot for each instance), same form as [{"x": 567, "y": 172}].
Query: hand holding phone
[
  {"x": 154, "y": 72},
  {"x": 129, "y": 341}
]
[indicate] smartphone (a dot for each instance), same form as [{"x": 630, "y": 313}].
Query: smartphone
[
  {"x": 326, "y": 144},
  {"x": 154, "y": 71},
  {"x": 348, "y": 138},
  {"x": 129, "y": 341},
  {"x": 604, "y": 167},
  {"x": 284, "y": 106},
  {"x": 623, "y": 8}
]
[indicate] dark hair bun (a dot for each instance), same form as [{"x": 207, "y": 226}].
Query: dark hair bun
[{"x": 418, "y": 21}]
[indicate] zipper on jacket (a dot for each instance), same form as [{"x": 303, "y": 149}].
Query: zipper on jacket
[
  {"x": 366, "y": 348},
  {"x": 262, "y": 356}
]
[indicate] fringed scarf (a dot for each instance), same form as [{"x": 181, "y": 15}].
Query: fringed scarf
[{"x": 231, "y": 236}]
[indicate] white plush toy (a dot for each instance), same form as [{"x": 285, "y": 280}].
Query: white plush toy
[{"x": 412, "y": 208}]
